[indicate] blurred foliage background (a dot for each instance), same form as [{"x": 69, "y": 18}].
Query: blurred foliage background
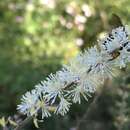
[{"x": 38, "y": 36}]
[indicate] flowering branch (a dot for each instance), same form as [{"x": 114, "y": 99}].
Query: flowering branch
[{"x": 80, "y": 77}]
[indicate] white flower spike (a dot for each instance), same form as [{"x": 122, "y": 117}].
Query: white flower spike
[{"x": 80, "y": 77}]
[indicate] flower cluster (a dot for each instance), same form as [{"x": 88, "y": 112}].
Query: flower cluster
[{"x": 80, "y": 77}]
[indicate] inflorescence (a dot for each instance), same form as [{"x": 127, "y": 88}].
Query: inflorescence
[{"x": 80, "y": 77}]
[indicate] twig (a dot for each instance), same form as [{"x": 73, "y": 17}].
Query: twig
[
  {"x": 87, "y": 111},
  {"x": 5, "y": 128},
  {"x": 23, "y": 123}
]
